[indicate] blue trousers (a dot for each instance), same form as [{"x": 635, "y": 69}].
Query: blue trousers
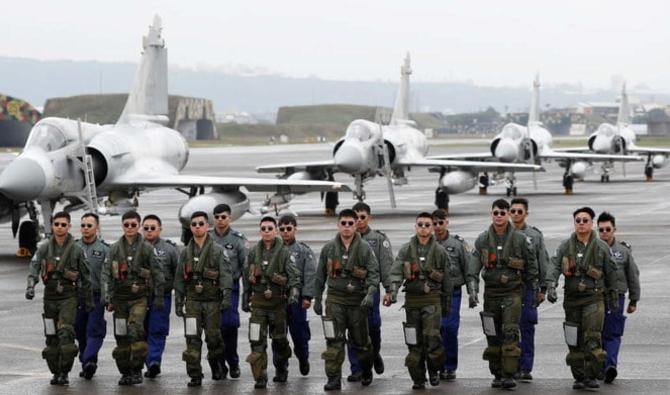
[
  {"x": 375, "y": 330},
  {"x": 527, "y": 324},
  {"x": 613, "y": 329},
  {"x": 230, "y": 322},
  {"x": 449, "y": 331},
  {"x": 90, "y": 329},
  {"x": 157, "y": 328},
  {"x": 298, "y": 326}
]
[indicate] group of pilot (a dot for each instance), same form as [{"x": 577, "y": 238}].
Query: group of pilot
[{"x": 278, "y": 279}]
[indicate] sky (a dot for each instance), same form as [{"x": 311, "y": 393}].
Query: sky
[{"x": 492, "y": 43}]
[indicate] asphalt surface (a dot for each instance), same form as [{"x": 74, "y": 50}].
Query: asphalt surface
[{"x": 640, "y": 208}]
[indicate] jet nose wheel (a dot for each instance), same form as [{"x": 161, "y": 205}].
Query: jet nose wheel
[{"x": 27, "y": 238}]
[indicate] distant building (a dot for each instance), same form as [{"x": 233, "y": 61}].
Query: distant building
[{"x": 17, "y": 117}]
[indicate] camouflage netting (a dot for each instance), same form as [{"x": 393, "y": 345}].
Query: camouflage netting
[{"x": 15, "y": 109}]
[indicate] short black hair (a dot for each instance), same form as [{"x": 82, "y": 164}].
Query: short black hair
[
  {"x": 523, "y": 201},
  {"x": 221, "y": 208},
  {"x": 606, "y": 217},
  {"x": 131, "y": 215},
  {"x": 62, "y": 214},
  {"x": 360, "y": 206},
  {"x": 196, "y": 215},
  {"x": 439, "y": 214},
  {"x": 347, "y": 213},
  {"x": 288, "y": 219},
  {"x": 154, "y": 217},
  {"x": 425, "y": 214},
  {"x": 95, "y": 216},
  {"x": 268, "y": 218},
  {"x": 501, "y": 204},
  {"x": 585, "y": 209}
]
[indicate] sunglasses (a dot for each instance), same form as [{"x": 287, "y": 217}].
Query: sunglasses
[
  {"x": 60, "y": 224},
  {"x": 197, "y": 224},
  {"x": 285, "y": 228},
  {"x": 436, "y": 223},
  {"x": 424, "y": 224},
  {"x": 605, "y": 230},
  {"x": 581, "y": 221},
  {"x": 516, "y": 211},
  {"x": 87, "y": 226},
  {"x": 130, "y": 224},
  {"x": 499, "y": 213},
  {"x": 362, "y": 217},
  {"x": 221, "y": 216},
  {"x": 150, "y": 228},
  {"x": 267, "y": 228},
  {"x": 347, "y": 223}
]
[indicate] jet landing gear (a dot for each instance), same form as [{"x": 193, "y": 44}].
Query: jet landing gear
[
  {"x": 332, "y": 201},
  {"x": 442, "y": 199},
  {"x": 649, "y": 170},
  {"x": 568, "y": 181},
  {"x": 511, "y": 185},
  {"x": 29, "y": 233},
  {"x": 483, "y": 183}
]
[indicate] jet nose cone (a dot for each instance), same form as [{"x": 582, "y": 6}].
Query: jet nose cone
[
  {"x": 23, "y": 179},
  {"x": 506, "y": 150},
  {"x": 601, "y": 144},
  {"x": 349, "y": 158}
]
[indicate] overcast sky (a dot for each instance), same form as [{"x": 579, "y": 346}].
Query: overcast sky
[{"x": 500, "y": 43}]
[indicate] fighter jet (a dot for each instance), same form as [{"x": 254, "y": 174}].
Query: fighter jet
[
  {"x": 532, "y": 144},
  {"x": 79, "y": 163},
  {"x": 620, "y": 139},
  {"x": 369, "y": 149}
]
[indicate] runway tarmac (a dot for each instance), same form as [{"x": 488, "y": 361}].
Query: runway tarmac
[{"x": 641, "y": 209}]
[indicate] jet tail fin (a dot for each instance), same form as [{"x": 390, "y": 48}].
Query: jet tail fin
[
  {"x": 401, "y": 107},
  {"x": 148, "y": 96},
  {"x": 534, "y": 111},
  {"x": 623, "y": 118}
]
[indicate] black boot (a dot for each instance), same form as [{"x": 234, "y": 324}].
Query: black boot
[
  {"x": 378, "y": 364},
  {"x": 591, "y": 383},
  {"x": 234, "y": 371},
  {"x": 88, "y": 370},
  {"x": 215, "y": 365},
  {"x": 304, "y": 367},
  {"x": 366, "y": 378},
  {"x": 610, "y": 374},
  {"x": 334, "y": 384},
  {"x": 578, "y": 385},
  {"x": 54, "y": 379},
  {"x": 261, "y": 383},
  {"x": 195, "y": 381},
  {"x": 125, "y": 379},
  {"x": 355, "y": 377},
  {"x": 419, "y": 385},
  {"x": 281, "y": 375},
  {"x": 434, "y": 378},
  {"x": 448, "y": 375},
  {"x": 153, "y": 371},
  {"x": 497, "y": 382},
  {"x": 136, "y": 377},
  {"x": 62, "y": 379},
  {"x": 508, "y": 383}
]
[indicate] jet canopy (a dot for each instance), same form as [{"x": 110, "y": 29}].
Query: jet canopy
[
  {"x": 606, "y": 129},
  {"x": 513, "y": 131},
  {"x": 47, "y": 137},
  {"x": 363, "y": 131}
]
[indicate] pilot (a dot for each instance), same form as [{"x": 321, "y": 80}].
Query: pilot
[
  {"x": 349, "y": 267},
  {"x": 628, "y": 280},
  {"x": 458, "y": 253},
  {"x": 157, "y": 323},
  {"x": 586, "y": 263},
  {"x": 271, "y": 281},
  {"x": 381, "y": 246},
  {"x": 422, "y": 266},
  {"x": 91, "y": 327},
  {"x": 303, "y": 257},
  {"x": 235, "y": 246},
  {"x": 61, "y": 265},
  {"x": 506, "y": 261},
  {"x": 519, "y": 214},
  {"x": 202, "y": 286},
  {"x": 131, "y": 273}
]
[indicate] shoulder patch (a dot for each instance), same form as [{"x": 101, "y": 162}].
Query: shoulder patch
[
  {"x": 536, "y": 229},
  {"x": 626, "y": 244},
  {"x": 170, "y": 242},
  {"x": 459, "y": 238},
  {"x": 238, "y": 234},
  {"x": 305, "y": 245},
  {"x": 386, "y": 243},
  {"x": 380, "y": 232},
  {"x": 104, "y": 242}
]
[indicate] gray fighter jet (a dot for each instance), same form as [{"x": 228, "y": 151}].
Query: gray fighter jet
[
  {"x": 532, "y": 144},
  {"x": 620, "y": 139},
  {"x": 369, "y": 149},
  {"x": 78, "y": 163}
]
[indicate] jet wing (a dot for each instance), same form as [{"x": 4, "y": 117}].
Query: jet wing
[
  {"x": 479, "y": 166},
  {"x": 479, "y": 156},
  {"x": 252, "y": 184},
  {"x": 649, "y": 150},
  {"x": 282, "y": 168},
  {"x": 587, "y": 156}
]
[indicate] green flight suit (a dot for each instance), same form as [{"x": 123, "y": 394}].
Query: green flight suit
[
  {"x": 589, "y": 274},
  {"x": 349, "y": 274},
  {"x": 506, "y": 263},
  {"x": 268, "y": 277},
  {"x": 424, "y": 271},
  {"x": 131, "y": 274},
  {"x": 203, "y": 279},
  {"x": 65, "y": 273}
]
